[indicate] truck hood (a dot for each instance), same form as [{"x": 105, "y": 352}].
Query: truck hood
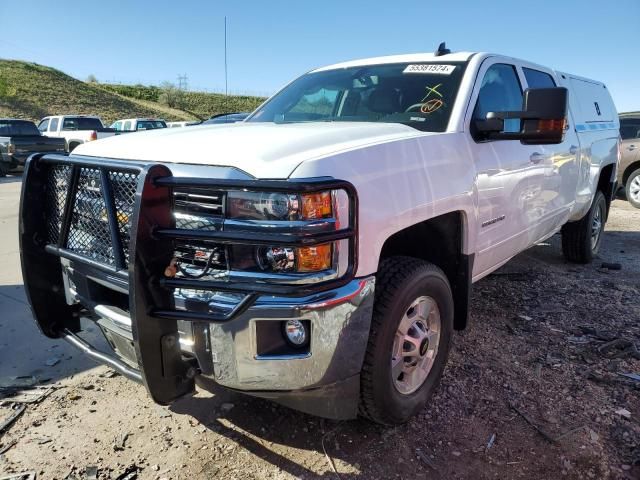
[{"x": 263, "y": 150}]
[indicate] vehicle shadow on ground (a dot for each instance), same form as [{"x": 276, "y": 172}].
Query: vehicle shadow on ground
[
  {"x": 617, "y": 246},
  {"x": 260, "y": 426},
  {"x": 11, "y": 178},
  {"x": 25, "y": 351}
]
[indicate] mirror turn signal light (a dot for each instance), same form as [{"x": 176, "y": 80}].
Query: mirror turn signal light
[{"x": 556, "y": 125}]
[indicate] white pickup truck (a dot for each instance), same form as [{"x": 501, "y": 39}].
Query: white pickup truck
[
  {"x": 75, "y": 129},
  {"x": 321, "y": 253}
]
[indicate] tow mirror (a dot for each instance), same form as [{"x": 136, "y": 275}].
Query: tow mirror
[{"x": 543, "y": 119}]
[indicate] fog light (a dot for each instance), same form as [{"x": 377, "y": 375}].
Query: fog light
[{"x": 296, "y": 333}]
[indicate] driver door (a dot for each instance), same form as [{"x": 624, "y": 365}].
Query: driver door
[{"x": 507, "y": 170}]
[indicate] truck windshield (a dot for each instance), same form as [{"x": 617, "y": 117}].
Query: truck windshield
[
  {"x": 16, "y": 128},
  {"x": 420, "y": 95}
]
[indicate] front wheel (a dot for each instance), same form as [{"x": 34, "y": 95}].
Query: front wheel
[
  {"x": 632, "y": 188},
  {"x": 409, "y": 340},
  {"x": 4, "y": 168},
  {"x": 581, "y": 240}
]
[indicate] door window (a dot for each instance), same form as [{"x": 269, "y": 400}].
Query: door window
[
  {"x": 43, "y": 125},
  {"x": 629, "y": 130},
  {"x": 538, "y": 79},
  {"x": 127, "y": 126},
  {"x": 54, "y": 125},
  {"x": 500, "y": 91}
]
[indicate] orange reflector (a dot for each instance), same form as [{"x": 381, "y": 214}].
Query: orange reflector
[
  {"x": 314, "y": 259},
  {"x": 551, "y": 125},
  {"x": 316, "y": 205}
]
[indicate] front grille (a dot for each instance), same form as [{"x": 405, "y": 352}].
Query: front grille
[
  {"x": 89, "y": 234},
  {"x": 198, "y": 210}
]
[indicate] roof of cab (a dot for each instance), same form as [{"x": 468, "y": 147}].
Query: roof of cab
[{"x": 405, "y": 58}]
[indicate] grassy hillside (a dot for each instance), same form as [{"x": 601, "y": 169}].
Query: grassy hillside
[
  {"x": 32, "y": 91},
  {"x": 200, "y": 104}
]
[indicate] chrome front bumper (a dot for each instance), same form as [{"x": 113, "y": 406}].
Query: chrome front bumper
[
  {"x": 324, "y": 381},
  {"x": 340, "y": 321}
]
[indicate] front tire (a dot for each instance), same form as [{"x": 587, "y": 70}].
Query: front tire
[
  {"x": 4, "y": 168},
  {"x": 581, "y": 240},
  {"x": 632, "y": 188},
  {"x": 409, "y": 340}
]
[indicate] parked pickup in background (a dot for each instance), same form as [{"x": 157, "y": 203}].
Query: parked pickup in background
[
  {"x": 21, "y": 138},
  {"x": 322, "y": 252},
  {"x": 137, "y": 124},
  {"x": 75, "y": 129}
]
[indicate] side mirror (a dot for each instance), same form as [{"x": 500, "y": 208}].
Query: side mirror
[{"x": 543, "y": 118}]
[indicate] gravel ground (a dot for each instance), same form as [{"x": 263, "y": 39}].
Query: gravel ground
[{"x": 532, "y": 390}]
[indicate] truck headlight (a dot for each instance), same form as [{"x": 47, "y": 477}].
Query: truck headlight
[
  {"x": 285, "y": 215},
  {"x": 242, "y": 205},
  {"x": 262, "y": 206},
  {"x": 303, "y": 260}
]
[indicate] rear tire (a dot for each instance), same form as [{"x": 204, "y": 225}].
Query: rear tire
[
  {"x": 412, "y": 322},
  {"x": 581, "y": 240},
  {"x": 632, "y": 188},
  {"x": 72, "y": 146}
]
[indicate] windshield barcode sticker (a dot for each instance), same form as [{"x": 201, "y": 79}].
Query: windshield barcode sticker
[{"x": 430, "y": 68}]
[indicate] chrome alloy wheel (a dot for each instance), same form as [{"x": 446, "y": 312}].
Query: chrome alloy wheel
[
  {"x": 415, "y": 345},
  {"x": 596, "y": 227},
  {"x": 634, "y": 189}
]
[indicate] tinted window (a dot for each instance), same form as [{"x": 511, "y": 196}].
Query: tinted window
[
  {"x": 81, "y": 123},
  {"x": 629, "y": 128},
  {"x": 54, "y": 125},
  {"x": 17, "y": 128},
  {"x": 538, "y": 79},
  {"x": 420, "y": 95},
  {"x": 43, "y": 125},
  {"x": 500, "y": 91},
  {"x": 150, "y": 124}
]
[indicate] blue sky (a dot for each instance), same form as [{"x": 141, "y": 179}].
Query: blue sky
[{"x": 269, "y": 43}]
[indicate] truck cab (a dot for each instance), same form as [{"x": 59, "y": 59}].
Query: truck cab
[
  {"x": 75, "y": 129},
  {"x": 322, "y": 252}
]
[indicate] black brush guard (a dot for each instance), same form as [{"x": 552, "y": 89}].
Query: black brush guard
[{"x": 140, "y": 265}]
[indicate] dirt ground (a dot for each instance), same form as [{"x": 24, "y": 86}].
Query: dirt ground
[{"x": 532, "y": 390}]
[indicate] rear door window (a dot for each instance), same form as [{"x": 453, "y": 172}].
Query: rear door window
[{"x": 538, "y": 79}]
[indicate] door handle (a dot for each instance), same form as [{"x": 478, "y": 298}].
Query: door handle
[
  {"x": 536, "y": 158},
  {"x": 631, "y": 148},
  {"x": 573, "y": 150}
]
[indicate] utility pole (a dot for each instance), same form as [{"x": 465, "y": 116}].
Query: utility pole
[
  {"x": 226, "y": 84},
  {"x": 182, "y": 82}
]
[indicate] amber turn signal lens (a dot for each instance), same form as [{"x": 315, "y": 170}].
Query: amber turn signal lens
[
  {"x": 314, "y": 259},
  {"x": 316, "y": 205},
  {"x": 551, "y": 125}
]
